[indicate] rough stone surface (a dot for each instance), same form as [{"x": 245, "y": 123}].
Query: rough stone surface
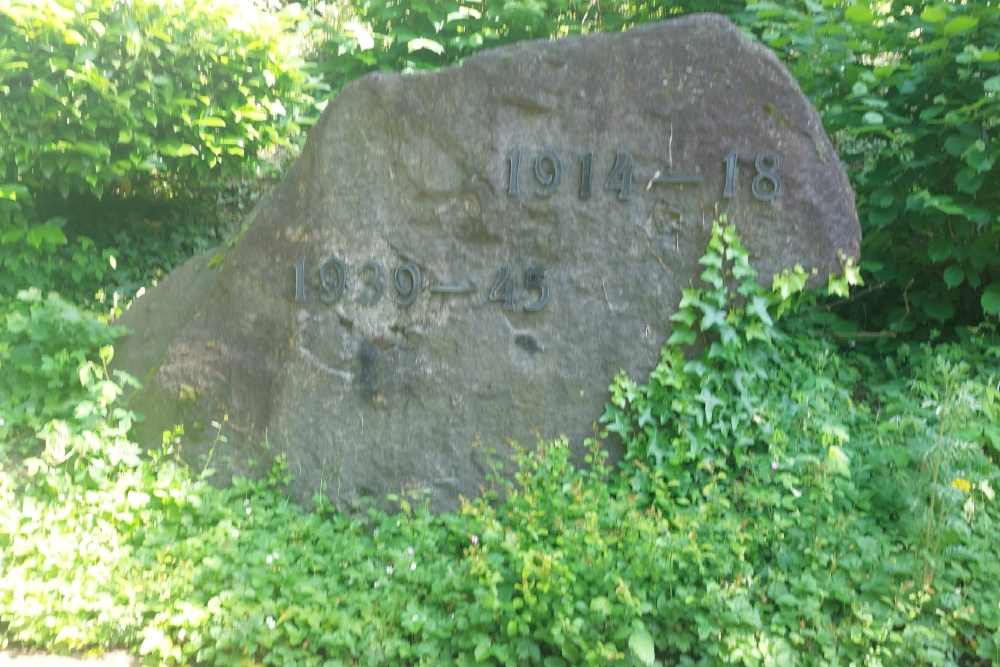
[{"x": 371, "y": 398}]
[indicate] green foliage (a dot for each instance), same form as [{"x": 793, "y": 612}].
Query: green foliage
[
  {"x": 124, "y": 100},
  {"x": 782, "y": 500},
  {"x": 823, "y": 508},
  {"x": 413, "y": 35},
  {"x": 701, "y": 420},
  {"x": 418, "y": 35},
  {"x": 865, "y": 528},
  {"x": 51, "y": 353},
  {"x": 909, "y": 90}
]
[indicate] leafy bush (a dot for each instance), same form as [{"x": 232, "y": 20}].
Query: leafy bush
[
  {"x": 414, "y": 35},
  {"x": 910, "y": 91},
  {"x": 865, "y": 529},
  {"x": 52, "y": 356},
  {"x": 825, "y": 508},
  {"x": 130, "y": 101},
  {"x": 417, "y": 35}
]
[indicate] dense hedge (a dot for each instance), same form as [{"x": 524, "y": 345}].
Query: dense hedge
[
  {"x": 130, "y": 99},
  {"x": 911, "y": 92}
]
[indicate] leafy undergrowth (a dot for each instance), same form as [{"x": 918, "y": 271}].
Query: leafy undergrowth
[{"x": 783, "y": 501}]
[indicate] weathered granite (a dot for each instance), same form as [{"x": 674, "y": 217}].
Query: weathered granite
[{"x": 415, "y": 171}]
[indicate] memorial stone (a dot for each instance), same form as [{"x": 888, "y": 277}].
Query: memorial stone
[{"x": 472, "y": 255}]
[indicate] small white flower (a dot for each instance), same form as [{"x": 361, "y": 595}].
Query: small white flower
[
  {"x": 987, "y": 490},
  {"x": 375, "y": 585},
  {"x": 270, "y": 623},
  {"x": 269, "y": 559},
  {"x": 248, "y": 511},
  {"x": 236, "y": 533},
  {"x": 413, "y": 565},
  {"x": 796, "y": 492},
  {"x": 389, "y": 570}
]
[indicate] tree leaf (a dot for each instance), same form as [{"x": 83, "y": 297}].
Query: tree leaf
[
  {"x": 837, "y": 462},
  {"x": 872, "y": 118},
  {"x": 991, "y": 299},
  {"x": 859, "y": 13},
  {"x": 953, "y": 276},
  {"x": 934, "y": 14},
  {"x": 641, "y": 643},
  {"x": 960, "y": 24}
]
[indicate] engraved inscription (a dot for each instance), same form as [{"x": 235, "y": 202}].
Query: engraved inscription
[
  {"x": 766, "y": 184},
  {"x": 408, "y": 282},
  {"x": 548, "y": 172}
]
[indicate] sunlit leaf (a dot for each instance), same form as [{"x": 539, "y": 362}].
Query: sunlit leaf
[
  {"x": 641, "y": 643},
  {"x": 424, "y": 43},
  {"x": 859, "y": 13},
  {"x": 934, "y": 14},
  {"x": 960, "y": 24}
]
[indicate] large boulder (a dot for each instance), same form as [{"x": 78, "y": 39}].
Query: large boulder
[{"x": 471, "y": 255}]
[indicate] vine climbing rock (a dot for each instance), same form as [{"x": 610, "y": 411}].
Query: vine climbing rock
[{"x": 465, "y": 258}]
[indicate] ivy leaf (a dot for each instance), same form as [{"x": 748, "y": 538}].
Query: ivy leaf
[
  {"x": 655, "y": 449},
  {"x": 714, "y": 318},
  {"x": 758, "y": 306},
  {"x": 709, "y": 400}
]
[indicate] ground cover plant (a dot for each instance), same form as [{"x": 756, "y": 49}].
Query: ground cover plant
[
  {"x": 791, "y": 492},
  {"x": 783, "y": 501}
]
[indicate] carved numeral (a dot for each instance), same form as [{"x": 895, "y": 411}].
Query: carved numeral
[
  {"x": 333, "y": 287},
  {"x": 548, "y": 173},
  {"x": 407, "y": 279},
  {"x": 586, "y": 160},
  {"x": 730, "y": 190},
  {"x": 503, "y": 288},
  {"x": 373, "y": 287},
  {"x": 514, "y": 160},
  {"x": 620, "y": 178},
  {"x": 534, "y": 278},
  {"x": 766, "y": 184}
]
